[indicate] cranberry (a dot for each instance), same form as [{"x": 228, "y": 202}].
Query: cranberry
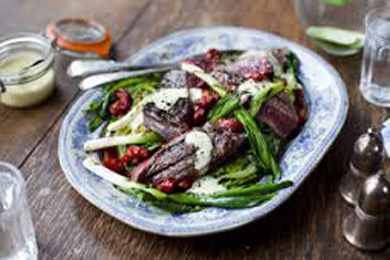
[
  {"x": 111, "y": 161},
  {"x": 199, "y": 116},
  {"x": 122, "y": 103},
  {"x": 231, "y": 124},
  {"x": 166, "y": 186},
  {"x": 208, "y": 98},
  {"x": 135, "y": 154}
]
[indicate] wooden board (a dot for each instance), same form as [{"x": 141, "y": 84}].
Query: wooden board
[{"x": 68, "y": 227}]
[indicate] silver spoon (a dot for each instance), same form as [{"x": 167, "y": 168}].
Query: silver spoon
[
  {"x": 101, "y": 79},
  {"x": 87, "y": 67},
  {"x": 79, "y": 68}
]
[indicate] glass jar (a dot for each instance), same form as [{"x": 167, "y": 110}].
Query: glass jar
[
  {"x": 26, "y": 69},
  {"x": 79, "y": 39}
]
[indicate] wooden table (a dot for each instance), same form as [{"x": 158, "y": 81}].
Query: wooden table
[{"x": 68, "y": 227}]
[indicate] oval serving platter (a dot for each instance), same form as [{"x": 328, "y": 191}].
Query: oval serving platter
[{"x": 328, "y": 105}]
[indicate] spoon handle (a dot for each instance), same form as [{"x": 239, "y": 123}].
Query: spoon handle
[
  {"x": 101, "y": 79},
  {"x": 87, "y": 67}
]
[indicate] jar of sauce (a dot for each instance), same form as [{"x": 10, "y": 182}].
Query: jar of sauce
[{"x": 26, "y": 70}]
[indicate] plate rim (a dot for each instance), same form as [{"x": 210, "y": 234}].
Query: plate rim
[{"x": 306, "y": 171}]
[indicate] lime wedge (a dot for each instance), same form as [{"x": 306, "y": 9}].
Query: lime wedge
[
  {"x": 337, "y": 36},
  {"x": 358, "y": 45}
]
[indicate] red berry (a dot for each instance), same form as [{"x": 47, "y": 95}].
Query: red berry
[
  {"x": 199, "y": 116},
  {"x": 166, "y": 186},
  {"x": 111, "y": 161},
  {"x": 231, "y": 124},
  {"x": 135, "y": 154},
  {"x": 122, "y": 103}
]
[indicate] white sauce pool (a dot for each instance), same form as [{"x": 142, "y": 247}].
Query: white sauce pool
[
  {"x": 204, "y": 146},
  {"x": 166, "y": 98},
  {"x": 206, "y": 185}
]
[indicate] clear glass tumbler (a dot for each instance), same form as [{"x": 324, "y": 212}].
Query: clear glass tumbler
[
  {"x": 17, "y": 237},
  {"x": 375, "y": 75},
  {"x": 342, "y": 14}
]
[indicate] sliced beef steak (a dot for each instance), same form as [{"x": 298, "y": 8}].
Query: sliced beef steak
[
  {"x": 225, "y": 141},
  {"x": 170, "y": 124},
  {"x": 228, "y": 80},
  {"x": 258, "y": 65},
  {"x": 280, "y": 115},
  {"x": 173, "y": 167}
]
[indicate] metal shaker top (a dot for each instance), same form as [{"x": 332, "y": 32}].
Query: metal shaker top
[
  {"x": 374, "y": 196},
  {"x": 368, "y": 152}
]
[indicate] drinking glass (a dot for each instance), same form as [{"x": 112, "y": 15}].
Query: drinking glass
[
  {"x": 375, "y": 75},
  {"x": 342, "y": 14},
  {"x": 17, "y": 238}
]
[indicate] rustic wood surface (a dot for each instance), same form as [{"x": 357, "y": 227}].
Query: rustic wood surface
[{"x": 68, "y": 227}]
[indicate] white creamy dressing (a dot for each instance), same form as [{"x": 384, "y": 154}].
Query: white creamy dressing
[
  {"x": 195, "y": 94},
  {"x": 166, "y": 98},
  {"x": 18, "y": 61},
  {"x": 204, "y": 146},
  {"x": 206, "y": 185},
  {"x": 28, "y": 93},
  {"x": 251, "y": 86}
]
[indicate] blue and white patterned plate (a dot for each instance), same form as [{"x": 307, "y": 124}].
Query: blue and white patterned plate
[{"x": 328, "y": 103}]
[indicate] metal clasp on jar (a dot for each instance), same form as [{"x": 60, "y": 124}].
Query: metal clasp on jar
[{"x": 2, "y": 87}]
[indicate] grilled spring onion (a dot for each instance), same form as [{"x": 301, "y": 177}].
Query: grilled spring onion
[
  {"x": 242, "y": 177},
  {"x": 223, "y": 108},
  {"x": 206, "y": 77},
  {"x": 263, "y": 153},
  {"x": 235, "y": 202},
  {"x": 258, "y": 189},
  {"x": 262, "y": 95},
  {"x": 144, "y": 138}
]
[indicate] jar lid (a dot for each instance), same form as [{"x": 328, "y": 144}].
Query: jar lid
[{"x": 80, "y": 35}]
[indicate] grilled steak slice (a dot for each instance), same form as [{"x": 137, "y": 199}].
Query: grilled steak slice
[
  {"x": 253, "y": 67},
  {"x": 258, "y": 65},
  {"x": 174, "y": 167},
  {"x": 225, "y": 142},
  {"x": 280, "y": 115},
  {"x": 168, "y": 155},
  {"x": 169, "y": 124},
  {"x": 229, "y": 81}
]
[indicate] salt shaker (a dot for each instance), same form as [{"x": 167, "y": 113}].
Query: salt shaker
[
  {"x": 368, "y": 226},
  {"x": 367, "y": 159}
]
